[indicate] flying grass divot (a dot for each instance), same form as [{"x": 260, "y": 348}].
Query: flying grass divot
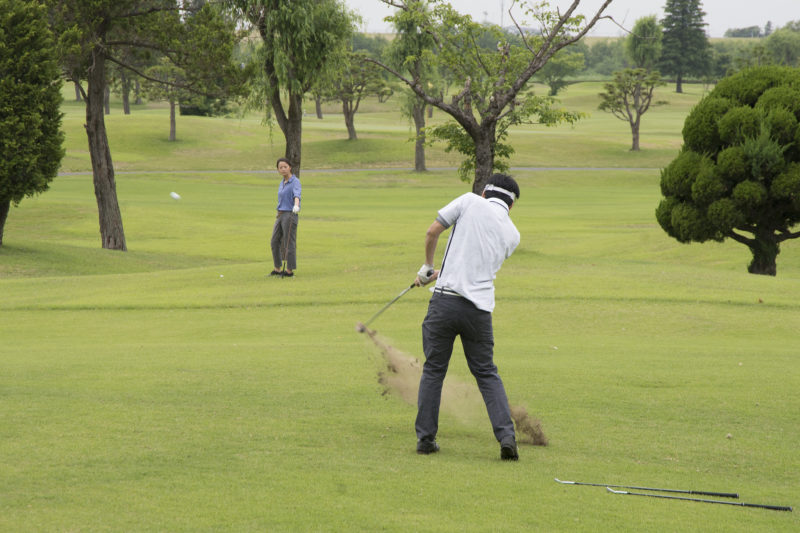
[{"x": 400, "y": 375}]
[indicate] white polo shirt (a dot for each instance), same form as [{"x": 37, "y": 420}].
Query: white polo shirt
[{"x": 482, "y": 237}]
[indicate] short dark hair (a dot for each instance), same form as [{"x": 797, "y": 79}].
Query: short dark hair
[
  {"x": 504, "y": 181},
  {"x": 283, "y": 159}
]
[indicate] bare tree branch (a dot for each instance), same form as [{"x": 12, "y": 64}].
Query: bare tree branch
[
  {"x": 785, "y": 235},
  {"x": 150, "y": 11},
  {"x": 191, "y": 87},
  {"x": 740, "y": 238}
]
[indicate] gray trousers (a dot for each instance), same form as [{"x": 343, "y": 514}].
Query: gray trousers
[
  {"x": 450, "y": 316},
  {"x": 284, "y": 240}
]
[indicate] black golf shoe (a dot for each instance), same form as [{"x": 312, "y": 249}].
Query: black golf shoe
[
  {"x": 275, "y": 273},
  {"x": 425, "y": 447},
  {"x": 508, "y": 449}
]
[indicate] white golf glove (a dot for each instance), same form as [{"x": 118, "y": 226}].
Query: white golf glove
[
  {"x": 425, "y": 273},
  {"x": 295, "y": 209}
]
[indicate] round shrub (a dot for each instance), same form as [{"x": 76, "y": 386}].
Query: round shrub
[
  {"x": 664, "y": 214},
  {"x": 794, "y": 153},
  {"x": 724, "y": 215},
  {"x": 764, "y": 156},
  {"x": 746, "y": 86},
  {"x": 732, "y": 165},
  {"x": 738, "y": 124},
  {"x": 679, "y": 176},
  {"x": 707, "y": 187},
  {"x": 700, "y": 133},
  {"x": 780, "y": 97},
  {"x": 739, "y": 166},
  {"x": 787, "y": 185},
  {"x": 749, "y": 195},
  {"x": 782, "y": 125},
  {"x": 689, "y": 224}
]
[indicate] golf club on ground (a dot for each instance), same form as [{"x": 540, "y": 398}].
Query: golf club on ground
[
  {"x": 740, "y": 504},
  {"x": 700, "y": 492},
  {"x": 361, "y": 328}
]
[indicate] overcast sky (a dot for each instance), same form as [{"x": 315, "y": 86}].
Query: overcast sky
[{"x": 720, "y": 14}]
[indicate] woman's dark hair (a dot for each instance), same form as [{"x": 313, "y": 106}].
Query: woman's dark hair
[
  {"x": 283, "y": 159},
  {"x": 504, "y": 181}
]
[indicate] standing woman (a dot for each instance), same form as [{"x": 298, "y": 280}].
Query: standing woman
[{"x": 284, "y": 233}]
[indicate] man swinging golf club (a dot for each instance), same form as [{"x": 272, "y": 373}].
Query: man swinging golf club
[{"x": 482, "y": 237}]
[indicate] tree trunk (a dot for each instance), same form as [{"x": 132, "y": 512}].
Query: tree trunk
[
  {"x": 107, "y": 98},
  {"x": 347, "y": 110},
  {"x": 635, "y": 135},
  {"x": 679, "y": 83},
  {"x": 293, "y": 132},
  {"x": 172, "y": 120},
  {"x": 291, "y": 123},
  {"x": 5, "y": 206},
  {"x": 126, "y": 95},
  {"x": 765, "y": 252},
  {"x": 138, "y": 92},
  {"x": 318, "y": 106},
  {"x": 634, "y": 117},
  {"x": 78, "y": 97},
  {"x": 418, "y": 112},
  {"x": 484, "y": 157},
  {"x": 105, "y": 188}
]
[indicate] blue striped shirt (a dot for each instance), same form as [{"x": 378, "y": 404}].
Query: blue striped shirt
[{"x": 287, "y": 192}]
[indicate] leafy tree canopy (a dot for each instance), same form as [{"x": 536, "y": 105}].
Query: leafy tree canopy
[
  {"x": 738, "y": 174},
  {"x": 300, "y": 42},
  {"x": 643, "y": 45},
  {"x": 783, "y": 46},
  {"x": 491, "y": 82},
  {"x": 629, "y": 96},
  {"x": 30, "y": 98},
  {"x": 685, "y": 48}
]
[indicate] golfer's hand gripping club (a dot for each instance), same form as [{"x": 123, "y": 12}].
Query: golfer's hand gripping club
[{"x": 425, "y": 275}]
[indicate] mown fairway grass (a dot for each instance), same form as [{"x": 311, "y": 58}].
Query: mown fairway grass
[{"x": 177, "y": 388}]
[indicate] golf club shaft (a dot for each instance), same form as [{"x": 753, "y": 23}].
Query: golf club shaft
[
  {"x": 721, "y": 502},
  {"x": 697, "y": 492},
  {"x": 385, "y": 307},
  {"x": 288, "y": 236}
]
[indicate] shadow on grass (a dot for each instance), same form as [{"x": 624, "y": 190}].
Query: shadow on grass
[{"x": 48, "y": 259}]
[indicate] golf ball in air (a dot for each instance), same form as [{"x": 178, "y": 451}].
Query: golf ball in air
[{"x": 175, "y": 196}]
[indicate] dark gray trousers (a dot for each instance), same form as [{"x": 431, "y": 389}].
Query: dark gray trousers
[
  {"x": 284, "y": 240},
  {"x": 450, "y": 316}
]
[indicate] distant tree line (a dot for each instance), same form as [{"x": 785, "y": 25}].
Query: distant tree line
[
  {"x": 750, "y": 31},
  {"x": 274, "y": 55},
  {"x": 604, "y": 56}
]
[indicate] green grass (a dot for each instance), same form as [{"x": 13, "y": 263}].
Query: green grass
[
  {"x": 139, "y": 142},
  {"x": 177, "y": 388}
]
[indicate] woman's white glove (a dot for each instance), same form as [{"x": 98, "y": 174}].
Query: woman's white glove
[{"x": 295, "y": 209}]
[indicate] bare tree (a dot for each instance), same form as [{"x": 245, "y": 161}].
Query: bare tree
[{"x": 492, "y": 81}]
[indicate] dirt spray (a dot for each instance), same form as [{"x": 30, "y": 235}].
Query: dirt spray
[{"x": 400, "y": 373}]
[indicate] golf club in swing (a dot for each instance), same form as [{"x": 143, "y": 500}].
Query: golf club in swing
[
  {"x": 362, "y": 327},
  {"x": 740, "y": 504},
  {"x": 698, "y": 492}
]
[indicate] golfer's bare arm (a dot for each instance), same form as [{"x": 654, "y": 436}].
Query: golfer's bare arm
[{"x": 432, "y": 239}]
